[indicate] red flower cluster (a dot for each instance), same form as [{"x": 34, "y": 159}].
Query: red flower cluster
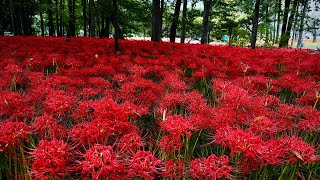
[{"x": 156, "y": 110}]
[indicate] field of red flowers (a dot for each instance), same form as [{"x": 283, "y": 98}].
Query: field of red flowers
[{"x": 76, "y": 110}]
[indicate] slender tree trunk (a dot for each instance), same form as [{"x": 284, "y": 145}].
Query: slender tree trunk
[
  {"x": 84, "y": 13},
  {"x": 283, "y": 39},
  {"x": 173, "y": 29},
  {"x": 73, "y": 33},
  {"x": 255, "y": 24},
  {"x": 205, "y": 23},
  {"x": 51, "y": 24},
  {"x": 107, "y": 27},
  {"x": 57, "y": 18},
  {"x": 286, "y": 37},
  {"x": 92, "y": 26},
  {"x": 41, "y": 24},
  {"x": 294, "y": 29},
  {"x": 72, "y": 25},
  {"x": 12, "y": 18},
  {"x": 268, "y": 24},
  {"x": 274, "y": 25},
  {"x": 156, "y": 21},
  {"x": 184, "y": 21},
  {"x": 314, "y": 33},
  {"x": 162, "y": 9},
  {"x": 116, "y": 27},
  {"x": 303, "y": 15},
  {"x": 278, "y": 21},
  {"x": 61, "y": 17}
]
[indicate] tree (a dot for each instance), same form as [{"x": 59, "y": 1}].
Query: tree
[
  {"x": 184, "y": 21},
  {"x": 92, "y": 26},
  {"x": 286, "y": 35},
  {"x": 303, "y": 15},
  {"x": 207, "y": 4},
  {"x": 84, "y": 12},
  {"x": 174, "y": 25},
  {"x": 50, "y": 17},
  {"x": 156, "y": 21},
  {"x": 283, "y": 41},
  {"x": 255, "y": 24},
  {"x": 72, "y": 18},
  {"x": 116, "y": 31}
]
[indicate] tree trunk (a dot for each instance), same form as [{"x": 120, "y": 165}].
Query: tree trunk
[
  {"x": 161, "y": 17},
  {"x": 303, "y": 15},
  {"x": 12, "y": 19},
  {"x": 290, "y": 22},
  {"x": 51, "y": 24},
  {"x": 61, "y": 17},
  {"x": 41, "y": 24},
  {"x": 184, "y": 21},
  {"x": 205, "y": 23},
  {"x": 255, "y": 24},
  {"x": 72, "y": 25},
  {"x": 92, "y": 26},
  {"x": 268, "y": 24},
  {"x": 84, "y": 13},
  {"x": 116, "y": 28},
  {"x": 57, "y": 18},
  {"x": 156, "y": 21},
  {"x": 173, "y": 29},
  {"x": 278, "y": 21},
  {"x": 314, "y": 34},
  {"x": 283, "y": 39},
  {"x": 294, "y": 29},
  {"x": 107, "y": 27}
]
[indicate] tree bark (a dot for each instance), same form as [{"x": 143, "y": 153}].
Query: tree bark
[
  {"x": 205, "y": 23},
  {"x": 72, "y": 26},
  {"x": 116, "y": 28},
  {"x": 303, "y": 15},
  {"x": 255, "y": 24},
  {"x": 57, "y": 18},
  {"x": 286, "y": 37},
  {"x": 161, "y": 17},
  {"x": 41, "y": 24},
  {"x": 156, "y": 21},
  {"x": 283, "y": 39},
  {"x": 51, "y": 24},
  {"x": 278, "y": 21},
  {"x": 173, "y": 29},
  {"x": 107, "y": 27},
  {"x": 61, "y": 17},
  {"x": 294, "y": 29},
  {"x": 84, "y": 13},
  {"x": 184, "y": 21},
  {"x": 12, "y": 18},
  {"x": 268, "y": 23},
  {"x": 92, "y": 26}
]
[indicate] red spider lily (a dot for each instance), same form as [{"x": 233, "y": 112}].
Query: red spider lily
[
  {"x": 14, "y": 107},
  {"x": 58, "y": 104},
  {"x": 47, "y": 126},
  {"x": 177, "y": 126},
  {"x": 102, "y": 162},
  {"x": 212, "y": 167},
  {"x": 170, "y": 143},
  {"x": 130, "y": 142},
  {"x": 144, "y": 164},
  {"x": 262, "y": 125},
  {"x": 174, "y": 169},
  {"x": 51, "y": 159},
  {"x": 13, "y": 134},
  {"x": 238, "y": 141}
]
